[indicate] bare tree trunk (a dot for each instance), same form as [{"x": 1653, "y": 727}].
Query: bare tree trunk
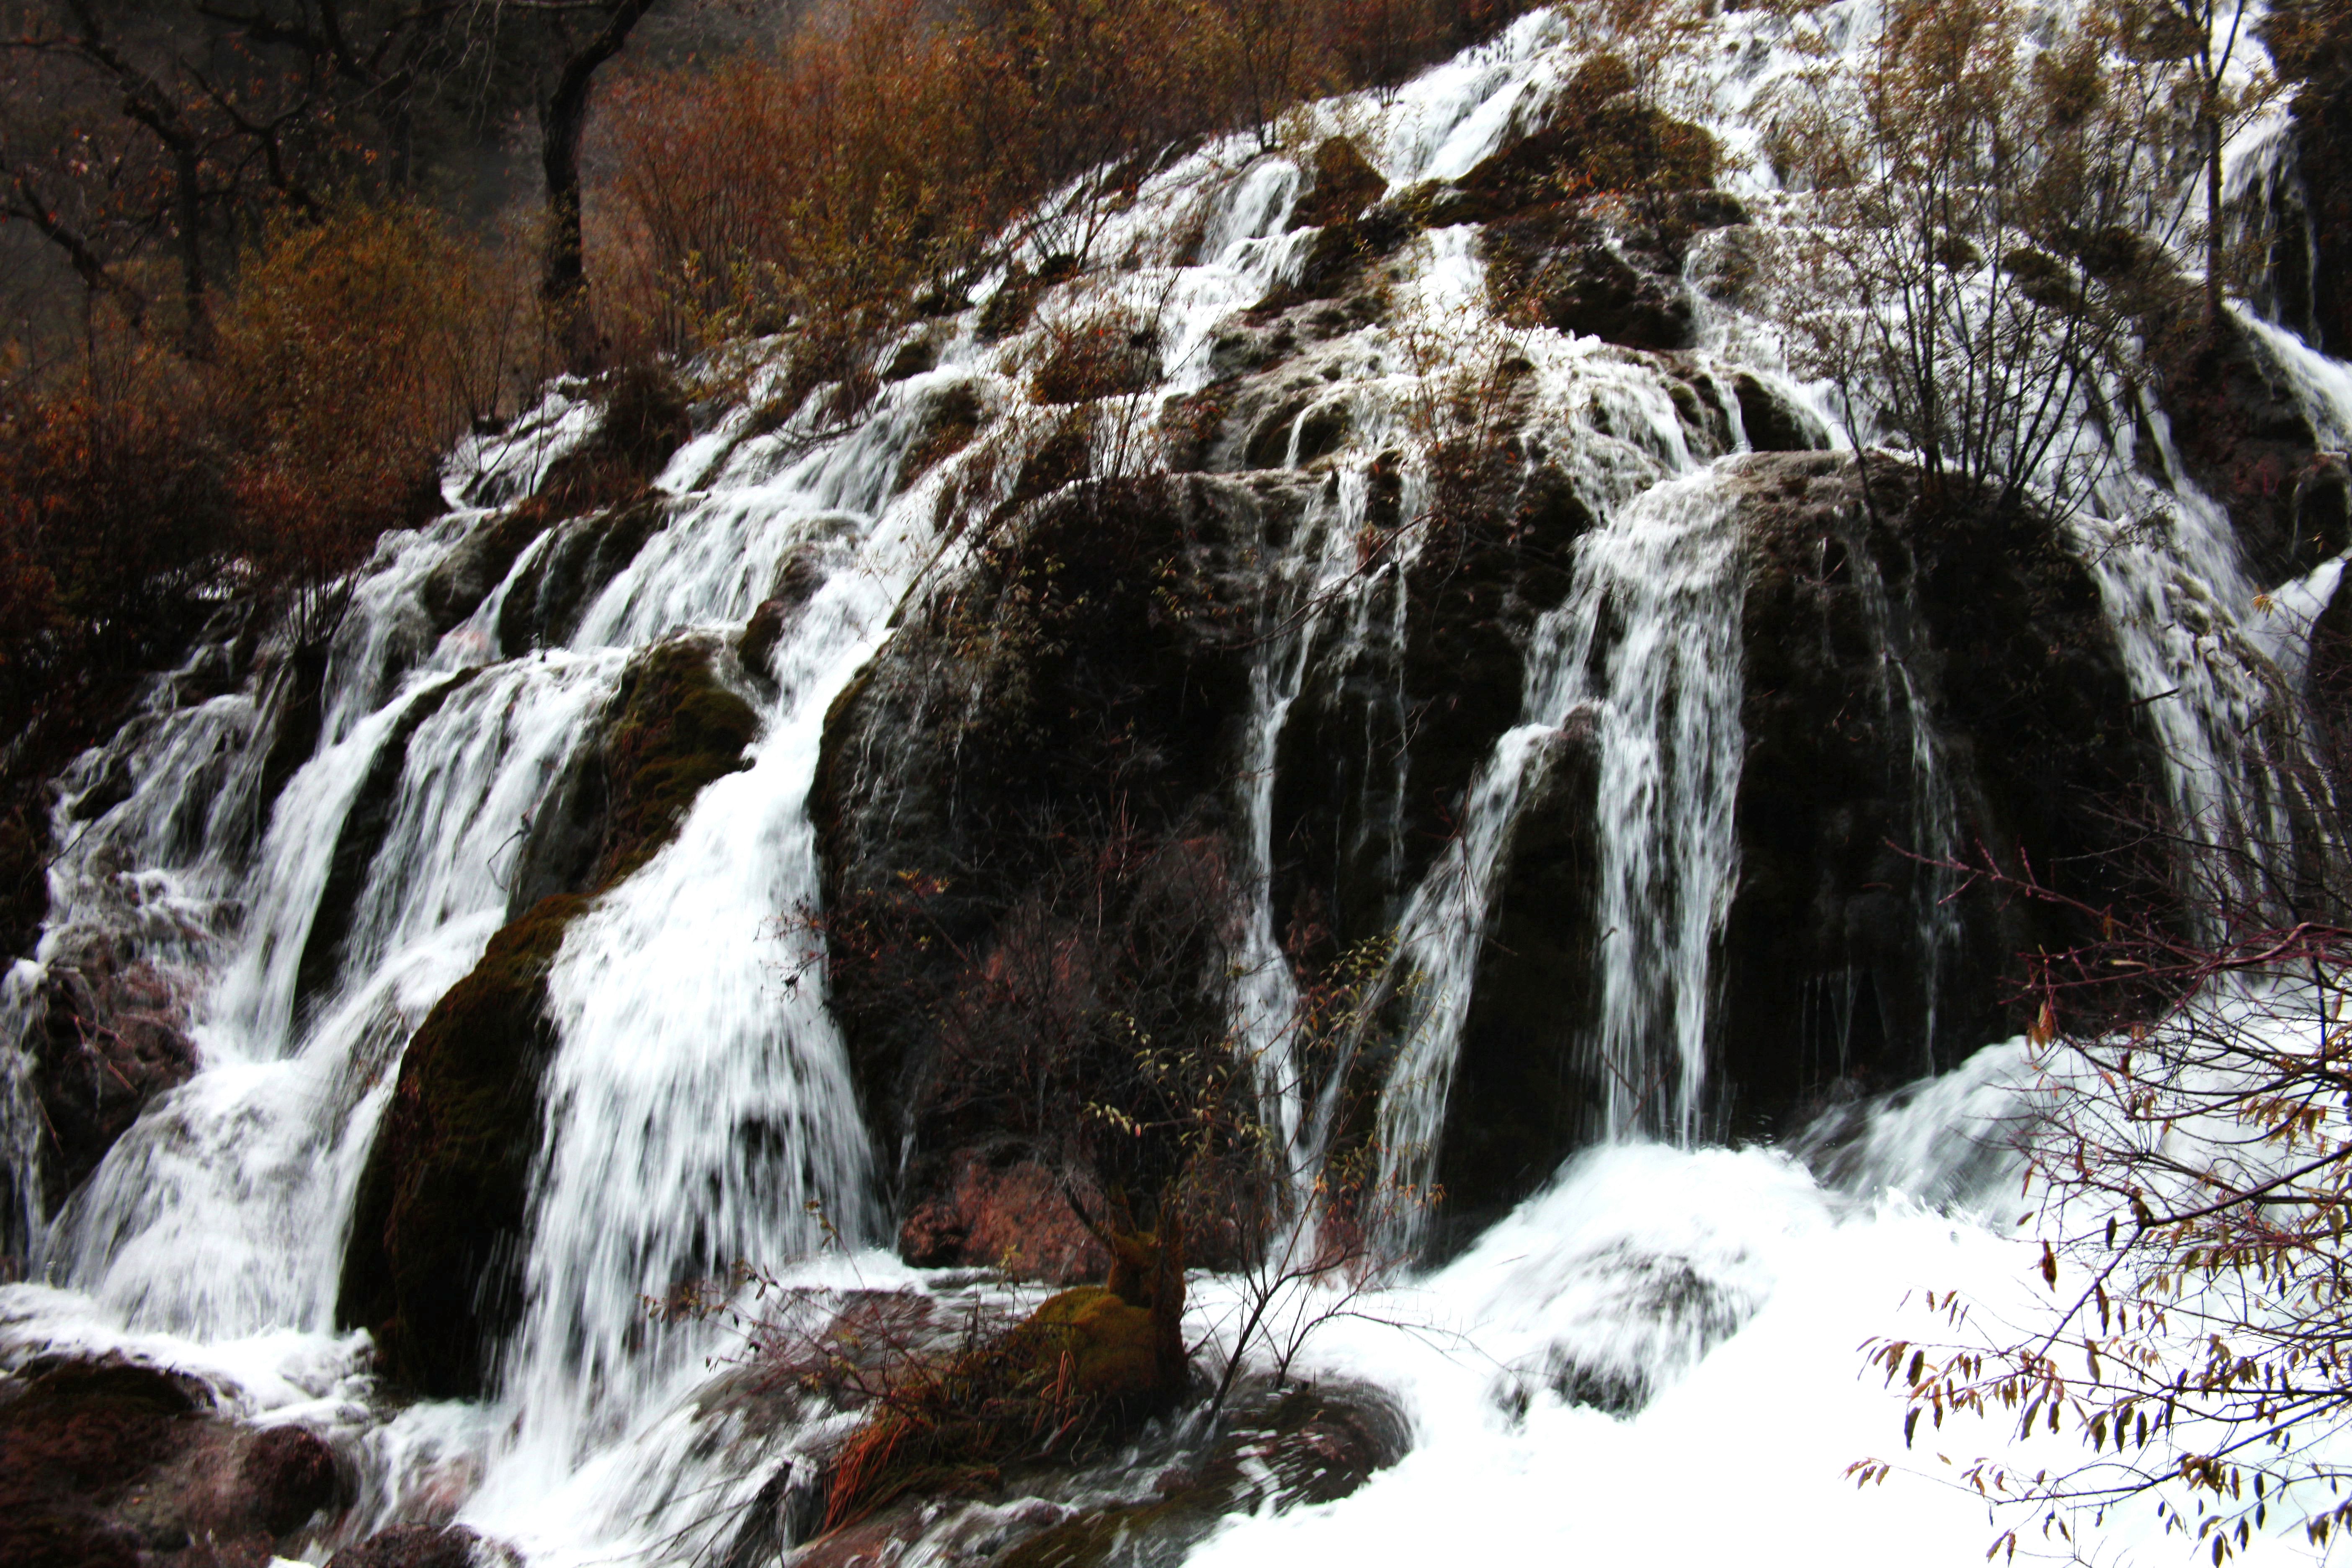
[
  {"x": 2214, "y": 243},
  {"x": 563, "y": 121}
]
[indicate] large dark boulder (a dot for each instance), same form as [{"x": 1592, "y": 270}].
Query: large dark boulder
[
  {"x": 1387, "y": 732},
  {"x": 1341, "y": 184},
  {"x": 1874, "y": 635},
  {"x": 1595, "y": 134},
  {"x": 2310, "y": 40},
  {"x": 433, "y": 1268}
]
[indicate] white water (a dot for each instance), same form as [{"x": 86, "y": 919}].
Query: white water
[{"x": 700, "y": 1108}]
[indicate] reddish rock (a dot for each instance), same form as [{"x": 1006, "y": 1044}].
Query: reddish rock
[
  {"x": 108, "y": 1461},
  {"x": 110, "y": 1039},
  {"x": 1012, "y": 1217},
  {"x": 289, "y": 1475}
]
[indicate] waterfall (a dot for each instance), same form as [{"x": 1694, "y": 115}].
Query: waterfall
[{"x": 304, "y": 865}]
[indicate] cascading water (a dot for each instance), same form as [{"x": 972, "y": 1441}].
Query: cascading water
[
  {"x": 1643, "y": 659},
  {"x": 1634, "y": 1320}
]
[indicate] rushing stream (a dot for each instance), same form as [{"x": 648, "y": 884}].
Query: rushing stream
[{"x": 700, "y": 1108}]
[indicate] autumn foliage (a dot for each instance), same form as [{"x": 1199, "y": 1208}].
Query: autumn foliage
[{"x": 828, "y": 182}]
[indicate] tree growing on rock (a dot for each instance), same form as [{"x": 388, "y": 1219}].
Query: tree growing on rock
[{"x": 1984, "y": 249}]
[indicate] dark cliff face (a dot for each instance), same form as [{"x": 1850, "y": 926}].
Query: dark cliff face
[
  {"x": 2311, "y": 254},
  {"x": 1877, "y": 637},
  {"x": 1919, "y": 680}
]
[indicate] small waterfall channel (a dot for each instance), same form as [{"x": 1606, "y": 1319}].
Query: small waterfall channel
[{"x": 1661, "y": 1315}]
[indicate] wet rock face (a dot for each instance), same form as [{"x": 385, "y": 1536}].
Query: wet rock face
[
  {"x": 2244, "y": 440},
  {"x": 364, "y": 825},
  {"x": 1833, "y": 940},
  {"x": 108, "y": 1462},
  {"x": 434, "y": 1266},
  {"x": 110, "y": 1040},
  {"x": 1523, "y": 1085},
  {"x": 1388, "y": 730},
  {"x": 1595, "y": 134},
  {"x": 1563, "y": 269},
  {"x": 424, "y": 1546},
  {"x": 1057, "y": 727},
  {"x": 545, "y": 606}
]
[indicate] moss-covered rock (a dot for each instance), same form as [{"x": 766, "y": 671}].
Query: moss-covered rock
[
  {"x": 1596, "y": 135},
  {"x": 1109, "y": 1345},
  {"x": 478, "y": 563},
  {"x": 1525, "y": 1086},
  {"x": 674, "y": 729},
  {"x": 433, "y": 1268},
  {"x": 108, "y": 1038},
  {"x": 1342, "y": 184}
]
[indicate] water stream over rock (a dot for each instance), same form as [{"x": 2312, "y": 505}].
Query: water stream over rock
[{"x": 1628, "y": 739}]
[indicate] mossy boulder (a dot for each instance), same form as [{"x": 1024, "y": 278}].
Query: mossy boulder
[
  {"x": 108, "y": 1039},
  {"x": 674, "y": 729},
  {"x": 433, "y": 1268},
  {"x": 1110, "y": 1345},
  {"x": 1343, "y": 183},
  {"x": 1352, "y": 832},
  {"x": 478, "y": 563},
  {"x": 1084, "y": 679},
  {"x": 1525, "y": 1085}
]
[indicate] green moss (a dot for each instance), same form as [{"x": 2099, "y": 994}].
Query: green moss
[
  {"x": 1111, "y": 1346},
  {"x": 674, "y": 729}
]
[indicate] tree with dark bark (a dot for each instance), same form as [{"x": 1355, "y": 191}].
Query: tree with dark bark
[{"x": 562, "y": 125}]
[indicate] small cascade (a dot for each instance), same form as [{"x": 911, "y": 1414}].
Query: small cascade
[
  {"x": 699, "y": 1110},
  {"x": 1316, "y": 611},
  {"x": 1641, "y": 665}
]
